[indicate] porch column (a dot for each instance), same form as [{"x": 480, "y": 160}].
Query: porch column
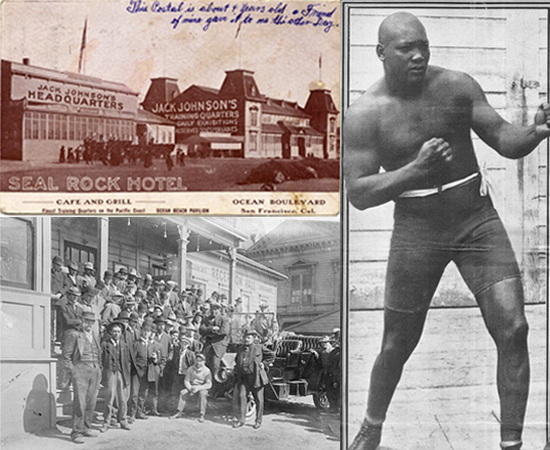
[
  {"x": 103, "y": 263},
  {"x": 232, "y": 253},
  {"x": 182, "y": 254}
]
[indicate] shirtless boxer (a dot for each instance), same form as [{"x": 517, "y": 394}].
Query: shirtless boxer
[{"x": 415, "y": 124}]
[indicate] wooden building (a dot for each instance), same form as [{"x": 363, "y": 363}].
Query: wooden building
[
  {"x": 237, "y": 120},
  {"x": 44, "y": 109}
]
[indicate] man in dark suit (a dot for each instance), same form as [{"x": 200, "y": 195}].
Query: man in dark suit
[
  {"x": 215, "y": 330},
  {"x": 250, "y": 376},
  {"x": 148, "y": 362},
  {"x": 70, "y": 311},
  {"x": 116, "y": 375},
  {"x": 82, "y": 359}
]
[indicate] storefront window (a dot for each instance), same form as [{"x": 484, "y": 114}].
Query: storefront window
[
  {"x": 51, "y": 126},
  {"x": 41, "y": 125},
  {"x": 57, "y": 124},
  {"x": 17, "y": 253}
]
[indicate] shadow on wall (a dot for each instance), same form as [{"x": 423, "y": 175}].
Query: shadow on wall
[{"x": 39, "y": 407}]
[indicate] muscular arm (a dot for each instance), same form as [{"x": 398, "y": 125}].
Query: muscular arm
[
  {"x": 510, "y": 141},
  {"x": 366, "y": 186}
]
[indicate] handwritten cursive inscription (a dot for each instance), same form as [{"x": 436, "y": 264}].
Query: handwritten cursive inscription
[{"x": 185, "y": 13}]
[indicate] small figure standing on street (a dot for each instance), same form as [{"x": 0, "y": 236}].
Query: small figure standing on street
[
  {"x": 416, "y": 124},
  {"x": 251, "y": 377},
  {"x": 198, "y": 381},
  {"x": 82, "y": 359}
]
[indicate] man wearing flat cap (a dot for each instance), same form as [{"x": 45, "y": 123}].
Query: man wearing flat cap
[
  {"x": 198, "y": 381},
  {"x": 116, "y": 375},
  {"x": 81, "y": 354},
  {"x": 250, "y": 376}
]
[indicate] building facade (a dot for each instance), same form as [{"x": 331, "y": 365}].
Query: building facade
[
  {"x": 44, "y": 109},
  {"x": 308, "y": 253},
  {"x": 238, "y": 120},
  {"x": 195, "y": 252}
]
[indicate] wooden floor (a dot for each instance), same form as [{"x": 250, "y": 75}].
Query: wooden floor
[{"x": 447, "y": 397}]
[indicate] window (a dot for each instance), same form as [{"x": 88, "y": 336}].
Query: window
[
  {"x": 253, "y": 141},
  {"x": 42, "y": 125},
  {"x": 158, "y": 270},
  {"x": 332, "y": 124},
  {"x": 254, "y": 116},
  {"x": 17, "y": 253},
  {"x": 80, "y": 253},
  {"x": 51, "y": 126},
  {"x": 71, "y": 128},
  {"x": 301, "y": 283}
]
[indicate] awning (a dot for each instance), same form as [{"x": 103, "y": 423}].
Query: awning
[{"x": 216, "y": 142}]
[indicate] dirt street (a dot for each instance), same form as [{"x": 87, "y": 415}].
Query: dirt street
[{"x": 286, "y": 425}]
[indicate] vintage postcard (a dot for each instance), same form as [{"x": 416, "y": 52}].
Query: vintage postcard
[
  {"x": 170, "y": 107},
  {"x": 257, "y": 297},
  {"x": 445, "y": 149}
]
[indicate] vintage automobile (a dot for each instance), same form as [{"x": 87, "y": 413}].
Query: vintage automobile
[{"x": 295, "y": 371}]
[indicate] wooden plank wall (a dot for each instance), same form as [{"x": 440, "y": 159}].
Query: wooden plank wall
[{"x": 506, "y": 51}]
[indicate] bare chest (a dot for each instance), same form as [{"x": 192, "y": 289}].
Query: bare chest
[{"x": 404, "y": 126}]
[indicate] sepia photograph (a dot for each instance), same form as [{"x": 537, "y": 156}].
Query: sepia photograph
[
  {"x": 179, "y": 98},
  {"x": 155, "y": 332},
  {"x": 444, "y": 151}
]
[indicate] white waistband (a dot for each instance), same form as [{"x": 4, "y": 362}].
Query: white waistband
[{"x": 437, "y": 190}]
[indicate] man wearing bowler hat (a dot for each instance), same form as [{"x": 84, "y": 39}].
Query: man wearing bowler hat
[
  {"x": 250, "y": 376},
  {"x": 81, "y": 354}
]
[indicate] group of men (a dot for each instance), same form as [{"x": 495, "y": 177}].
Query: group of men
[
  {"x": 115, "y": 152},
  {"x": 150, "y": 347}
]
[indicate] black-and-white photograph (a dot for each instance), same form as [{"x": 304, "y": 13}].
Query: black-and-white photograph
[
  {"x": 142, "y": 97},
  {"x": 445, "y": 141},
  {"x": 155, "y": 332}
]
